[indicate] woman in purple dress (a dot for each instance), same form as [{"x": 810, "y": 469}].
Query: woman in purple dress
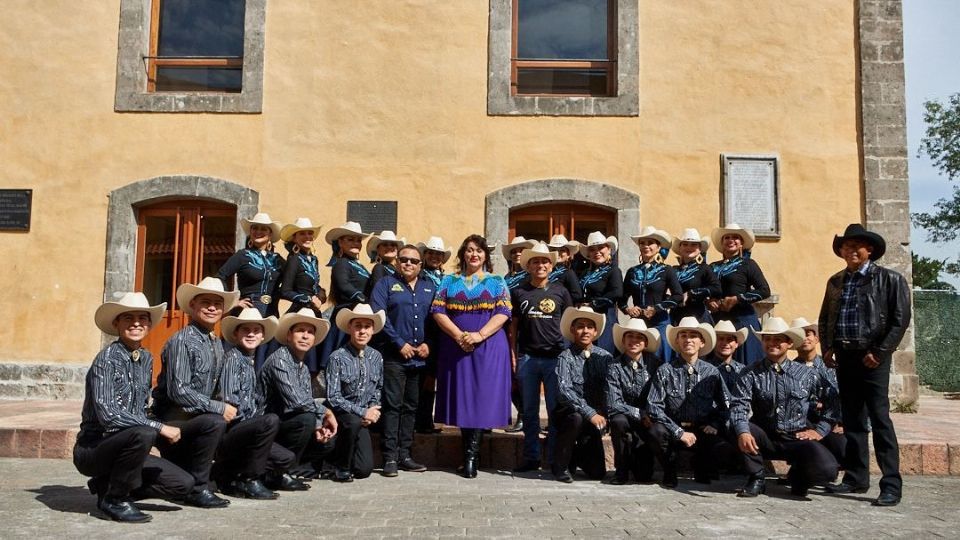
[{"x": 473, "y": 356}]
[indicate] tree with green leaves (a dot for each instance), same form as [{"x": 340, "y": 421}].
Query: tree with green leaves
[{"x": 926, "y": 274}]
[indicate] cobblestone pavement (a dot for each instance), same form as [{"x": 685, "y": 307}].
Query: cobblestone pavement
[{"x": 47, "y": 498}]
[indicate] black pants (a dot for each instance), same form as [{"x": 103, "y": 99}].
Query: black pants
[
  {"x": 245, "y": 447},
  {"x": 354, "y": 450},
  {"x": 121, "y": 465},
  {"x": 863, "y": 395},
  {"x": 401, "y": 390},
  {"x": 811, "y": 463},
  {"x": 836, "y": 443},
  {"x": 632, "y": 447},
  {"x": 666, "y": 447},
  {"x": 297, "y": 434},
  {"x": 579, "y": 444},
  {"x": 427, "y": 396},
  {"x": 199, "y": 438}
]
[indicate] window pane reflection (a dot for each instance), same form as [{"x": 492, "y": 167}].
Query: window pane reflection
[
  {"x": 159, "y": 248},
  {"x": 562, "y": 30},
  {"x": 201, "y": 28},
  {"x": 592, "y": 82},
  {"x": 200, "y": 79}
]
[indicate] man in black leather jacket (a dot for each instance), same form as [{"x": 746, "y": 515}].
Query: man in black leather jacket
[{"x": 865, "y": 312}]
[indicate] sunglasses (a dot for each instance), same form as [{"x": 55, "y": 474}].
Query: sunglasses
[{"x": 408, "y": 260}]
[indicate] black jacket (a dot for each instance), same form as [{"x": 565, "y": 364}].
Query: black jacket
[{"x": 883, "y": 300}]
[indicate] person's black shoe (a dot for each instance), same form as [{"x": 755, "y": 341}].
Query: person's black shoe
[
  {"x": 390, "y": 469},
  {"x": 799, "y": 490},
  {"x": 409, "y": 465},
  {"x": 620, "y": 479},
  {"x": 844, "y": 488},
  {"x": 284, "y": 482},
  {"x": 343, "y": 475},
  {"x": 122, "y": 511},
  {"x": 669, "y": 477},
  {"x": 528, "y": 465},
  {"x": 248, "y": 489},
  {"x": 516, "y": 427},
  {"x": 205, "y": 499},
  {"x": 562, "y": 475},
  {"x": 702, "y": 477},
  {"x": 887, "y": 498},
  {"x": 755, "y": 485}
]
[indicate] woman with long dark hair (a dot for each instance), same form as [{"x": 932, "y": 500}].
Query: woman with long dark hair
[
  {"x": 697, "y": 279},
  {"x": 301, "y": 276},
  {"x": 652, "y": 286},
  {"x": 602, "y": 282}
]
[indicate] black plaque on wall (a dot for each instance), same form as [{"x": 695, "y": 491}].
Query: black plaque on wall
[
  {"x": 15, "y": 209},
  {"x": 373, "y": 216}
]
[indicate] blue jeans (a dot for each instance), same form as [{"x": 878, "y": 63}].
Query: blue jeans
[{"x": 533, "y": 370}]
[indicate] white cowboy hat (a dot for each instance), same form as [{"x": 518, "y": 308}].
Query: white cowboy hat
[
  {"x": 248, "y": 315},
  {"x": 690, "y": 235},
  {"x": 262, "y": 219},
  {"x": 435, "y": 243},
  {"x": 559, "y": 241},
  {"x": 301, "y": 224},
  {"x": 129, "y": 301},
  {"x": 385, "y": 237},
  {"x": 537, "y": 251},
  {"x": 208, "y": 285},
  {"x": 804, "y": 324},
  {"x": 596, "y": 238},
  {"x": 653, "y": 233},
  {"x": 727, "y": 328},
  {"x": 518, "y": 242},
  {"x": 290, "y": 319},
  {"x": 361, "y": 311},
  {"x": 745, "y": 234},
  {"x": 350, "y": 228},
  {"x": 573, "y": 313},
  {"x": 690, "y": 323},
  {"x": 773, "y": 326},
  {"x": 636, "y": 325}
]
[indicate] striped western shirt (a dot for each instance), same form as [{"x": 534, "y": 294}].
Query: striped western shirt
[
  {"x": 238, "y": 385},
  {"x": 191, "y": 362},
  {"x": 628, "y": 384},
  {"x": 117, "y": 391},
  {"x": 582, "y": 380},
  {"x": 285, "y": 383},
  {"x": 693, "y": 394},
  {"x": 729, "y": 371},
  {"x": 354, "y": 379}
]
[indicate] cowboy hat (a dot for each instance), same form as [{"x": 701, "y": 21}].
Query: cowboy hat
[
  {"x": 559, "y": 241},
  {"x": 636, "y": 325},
  {"x": 596, "y": 238},
  {"x": 571, "y": 314},
  {"x": 385, "y": 237},
  {"x": 653, "y": 233},
  {"x": 350, "y": 228},
  {"x": 727, "y": 328},
  {"x": 690, "y": 235},
  {"x": 435, "y": 243},
  {"x": 249, "y": 315},
  {"x": 262, "y": 219},
  {"x": 856, "y": 231},
  {"x": 690, "y": 323},
  {"x": 804, "y": 324},
  {"x": 129, "y": 301},
  {"x": 518, "y": 242},
  {"x": 540, "y": 250},
  {"x": 305, "y": 315},
  {"x": 301, "y": 224},
  {"x": 746, "y": 235},
  {"x": 775, "y": 326},
  {"x": 360, "y": 311},
  {"x": 208, "y": 285}
]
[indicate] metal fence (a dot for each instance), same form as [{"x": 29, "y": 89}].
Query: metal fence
[{"x": 937, "y": 333}]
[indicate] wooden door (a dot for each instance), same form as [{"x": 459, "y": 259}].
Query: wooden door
[{"x": 575, "y": 221}]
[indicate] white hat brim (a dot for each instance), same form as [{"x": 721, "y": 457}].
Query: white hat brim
[
  {"x": 423, "y": 248},
  {"x": 652, "y": 335},
  {"x": 229, "y": 324},
  {"x": 706, "y": 333},
  {"x": 740, "y": 335},
  {"x": 188, "y": 291},
  {"x": 289, "y": 231},
  {"x": 530, "y": 254},
  {"x": 795, "y": 335},
  {"x": 273, "y": 225},
  {"x": 611, "y": 242},
  {"x": 289, "y": 320},
  {"x": 749, "y": 239},
  {"x": 572, "y": 314},
  {"x": 344, "y": 316},
  {"x": 337, "y": 233},
  {"x": 109, "y": 311}
]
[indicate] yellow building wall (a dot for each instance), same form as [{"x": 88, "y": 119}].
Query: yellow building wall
[{"x": 387, "y": 101}]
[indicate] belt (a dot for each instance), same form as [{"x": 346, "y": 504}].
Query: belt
[
  {"x": 266, "y": 299},
  {"x": 850, "y": 344}
]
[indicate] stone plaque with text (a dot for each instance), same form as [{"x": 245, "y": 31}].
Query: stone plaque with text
[
  {"x": 15, "y": 209},
  {"x": 751, "y": 193}
]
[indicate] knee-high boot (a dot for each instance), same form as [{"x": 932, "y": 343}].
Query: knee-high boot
[{"x": 471, "y": 451}]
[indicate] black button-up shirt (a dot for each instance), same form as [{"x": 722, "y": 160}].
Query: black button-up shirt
[
  {"x": 628, "y": 384},
  {"x": 238, "y": 385},
  {"x": 191, "y": 362},
  {"x": 582, "y": 381},
  {"x": 285, "y": 383},
  {"x": 692, "y": 394},
  {"x": 408, "y": 311},
  {"x": 354, "y": 382},
  {"x": 117, "y": 391}
]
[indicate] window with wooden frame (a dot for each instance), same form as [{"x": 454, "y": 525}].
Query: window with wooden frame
[
  {"x": 575, "y": 221},
  {"x": 196, "y": 46},
  {"x": 564, "y": 48}
]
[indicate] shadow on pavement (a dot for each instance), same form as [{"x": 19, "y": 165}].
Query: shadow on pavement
[{"x": 75, "y": 499}]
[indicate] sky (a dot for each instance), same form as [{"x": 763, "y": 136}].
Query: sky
[{"x": 931, "y": 49}]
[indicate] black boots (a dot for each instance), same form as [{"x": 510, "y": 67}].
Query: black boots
[{"x": 471, "y": 451}]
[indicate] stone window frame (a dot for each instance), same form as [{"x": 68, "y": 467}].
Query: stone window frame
[
  {"x": 134, "y": 43},
  {"x": 500, "y": 102}
]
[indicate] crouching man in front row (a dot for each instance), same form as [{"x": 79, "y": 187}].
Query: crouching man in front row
[{"x": 113, "y": 446}]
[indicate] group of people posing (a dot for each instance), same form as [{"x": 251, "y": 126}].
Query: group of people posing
[{"x": 689, "y": 368}]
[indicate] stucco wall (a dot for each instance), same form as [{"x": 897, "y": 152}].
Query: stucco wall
[{"x": 387, "y": 101}]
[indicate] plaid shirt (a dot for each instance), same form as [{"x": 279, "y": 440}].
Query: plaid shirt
[{"x": 848, "y": 325}]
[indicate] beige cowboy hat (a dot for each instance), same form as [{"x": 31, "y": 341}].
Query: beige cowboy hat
[
  {"x": 559, "y": 241},
  {"x": 435, "y": 243},
  {"x": 691, "y": 323},
  {"x": 301, "y": 224},
  {"x": 636, "y": 325},
  {"x": 727, "y": 328},
  {"x": 773, "y": 326},
  {"x": 745, "y": 234},
  {"x": 653, "y": 233},
  {"x": 597, "y": 238},
  {"x": 350, "y": 228},
  {"x": 290, "y": 319},
  {"x": 690, "y": 235},
  {"x": 248, "y": 315},
  {"x": 805, "y": 325},
  {"x": 385, "y": 237},
  {"x": 518, "y": 242},
  {"x": 208, "y": 285},
  {"x": 540, "y": 250},
  {"x": 127, "y": 302},
  {"x": 262, "y": 219},
  {"x": 573, "y": 313},
  {"x": 361, "y": 311}
]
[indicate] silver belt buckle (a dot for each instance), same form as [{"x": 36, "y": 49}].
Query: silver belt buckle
[{"x": 266, "y": 299}]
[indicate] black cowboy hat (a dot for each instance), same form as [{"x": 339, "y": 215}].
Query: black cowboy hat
[{"x": 856, "y": 231}]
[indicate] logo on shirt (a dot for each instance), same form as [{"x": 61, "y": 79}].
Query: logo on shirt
[
  {"x": 547, "y": 306},
  {"x": 396, "y": 288}
]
